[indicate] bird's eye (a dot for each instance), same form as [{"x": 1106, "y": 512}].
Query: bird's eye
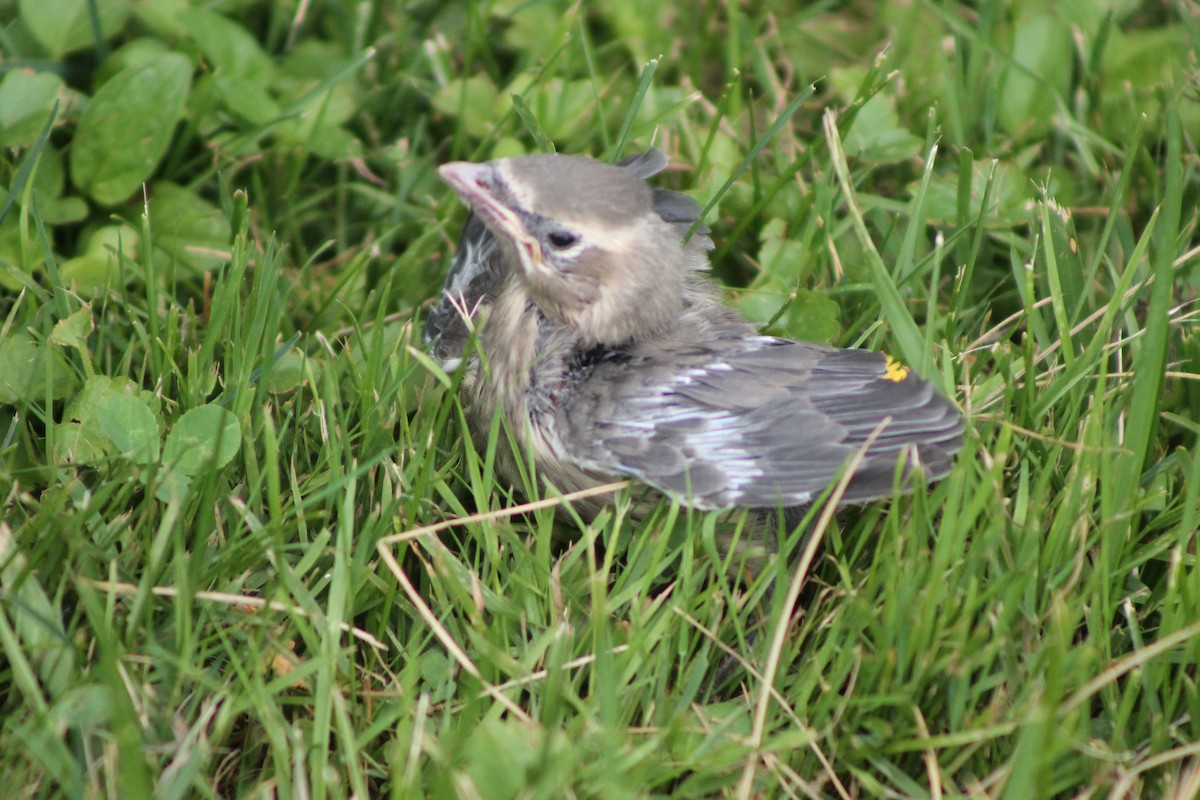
[{"x": 562, "y": 239}]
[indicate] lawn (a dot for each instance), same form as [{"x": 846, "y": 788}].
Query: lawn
[{"x": 247, "y": 551}]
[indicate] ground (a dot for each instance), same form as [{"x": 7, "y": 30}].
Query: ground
[{"x": 222, "y": 446}]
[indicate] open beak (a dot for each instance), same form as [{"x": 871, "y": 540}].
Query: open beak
[{"x": 476, "y": 185}]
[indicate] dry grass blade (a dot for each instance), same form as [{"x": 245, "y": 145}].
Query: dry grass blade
[{"x": 225, "y": 598}]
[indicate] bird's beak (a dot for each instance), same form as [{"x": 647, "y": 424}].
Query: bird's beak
[{"x": 476, "y": 185}]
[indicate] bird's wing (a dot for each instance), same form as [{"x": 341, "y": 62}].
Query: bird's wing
[
  {"x": 478, "y": 269},
  {"x": 765, "y": 422}
]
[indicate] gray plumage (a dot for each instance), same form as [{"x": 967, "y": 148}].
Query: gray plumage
[{"x": 611, "y": 355}]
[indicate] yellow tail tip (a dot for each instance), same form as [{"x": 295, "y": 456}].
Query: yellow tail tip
[{"x": 895, "y": 371}]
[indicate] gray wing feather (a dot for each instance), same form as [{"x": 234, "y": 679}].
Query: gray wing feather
[{"x": 764, "y": 423}]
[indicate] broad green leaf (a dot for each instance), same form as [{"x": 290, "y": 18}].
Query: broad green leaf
[
  {"x": 63, "y": 210},
  {"x": 795, "y": 313},
  {"x": 325, "y": 141},
  {"x": 62, "y": 26},
  {"x": 560, "y": 107},
  {"x": 83, "y": 708},
  {"x": 1032, "y": 88},
  {"x": 81, "y": 406},
  {"x": 17, "y": 262},
  {"x": 48, "y": 181},
  {"x": 109, "y": 239},
  {"x": 106, "y": 405},
  {"x": 288, "y": 372},
  {"x": 19, "y": 356},
  {"x": 77, "y": 443},
  {"x": 23, "y": 365},
  {"x": 186, "y": 229},
  {"x": 99, "y": 265},
  {"x": 779, "y": 256},
  {"x": 164, "y": 17},
  {"x": 135, "y": 53},
  {"x": 50, "y": 176},
  {"x": 125, "y": 130},
  {"x": 228, "y": 47},
  {"x": 499, "y": 756},
  {"x": 1143, "y": 58},
  {"x": 1137, "y": 66},
  {"x": 316, "y": 95},
  {"x": 248, "y": 99},
  {"x": 130, "y": 424},
  {"x": 877, "y": 135},
  {"x": 316, "y": 91},
  {"x": 505, "y": 758},
  {"x": 1008, "y": 205},
  {"x": 207, "y": 437},
  {"x": 773, "y": 301},
  {"x": 26, "y": 99},
  {"x": 173, "y": 485},
  {"x": 74, "y": 330},
  {"x": 508, "y": 147},
  {"x": 88, "y": 272},
  {"x": 724, "y": 155},
  {"x": 472, "y": 102},
  {"x": 761, "y": 302},
  {"x": 811, "y": 317},
  {"x": 535, "y": 29}
]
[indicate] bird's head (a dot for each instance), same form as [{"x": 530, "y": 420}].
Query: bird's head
[{"x": 583, "y": 238}]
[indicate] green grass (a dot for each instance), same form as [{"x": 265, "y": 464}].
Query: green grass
[{"x": 246, "y": 551}]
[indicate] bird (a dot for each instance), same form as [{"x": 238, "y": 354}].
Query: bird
[{"x": 608, "y": 350}]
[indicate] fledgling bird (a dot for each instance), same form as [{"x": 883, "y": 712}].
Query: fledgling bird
[{"x": 610, "y": 354}]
